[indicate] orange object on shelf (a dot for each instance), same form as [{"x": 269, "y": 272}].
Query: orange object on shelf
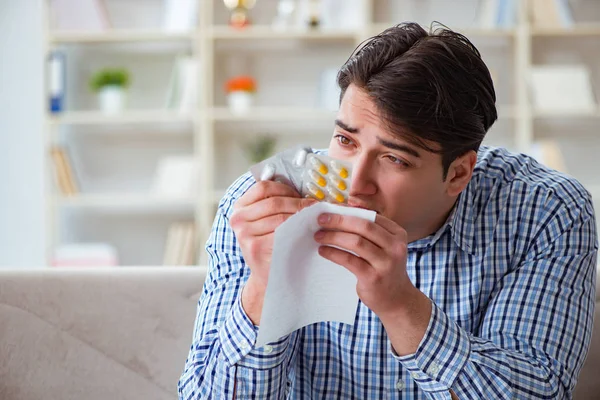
[{"x": 241, "y": 83}]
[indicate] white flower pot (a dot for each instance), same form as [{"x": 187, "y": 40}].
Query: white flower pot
[
  {"x": 111, "y": 99},
  {"x": 240, "y": 101}
]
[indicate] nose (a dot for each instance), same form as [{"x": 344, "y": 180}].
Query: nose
[{"x": 363, "y": 179}]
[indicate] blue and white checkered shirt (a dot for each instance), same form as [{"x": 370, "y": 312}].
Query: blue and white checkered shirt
[{"x": 511, "y": 275}]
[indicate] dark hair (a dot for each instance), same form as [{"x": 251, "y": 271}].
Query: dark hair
[{"x": 426, "y": 86}]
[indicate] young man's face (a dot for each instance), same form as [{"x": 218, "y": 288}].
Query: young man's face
[{"x": 396, "y": 179}]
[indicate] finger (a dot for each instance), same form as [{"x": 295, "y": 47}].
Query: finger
[
  {"x": 365, "y": 228},
  {"x": 364, "y": 248},
  {"x": 352, "y": 263},
  {"x": 272, "y": 206},
  {"x": 388, "y": 225},
  {"x": 265, "y": 189},
  {"x": 266, "y": 225}
]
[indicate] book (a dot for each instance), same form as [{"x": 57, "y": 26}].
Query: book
[
  {"x": 488, "y": 13},
  {"x": 180, "y": 244},
  {"x": 548, "y": 152},
  {"x": 494, "y": 14},
  {"x": 85, "y": 255},
  {"x": 562, "y": 88},
  {"x": 182, "y": 91},
  {"x": 550, "y": 13},
  {"x": 170, "y": 252},
  {"x": 180, "y": 15},
  {"x": 187, "y": 248},
  {"x": 80, "y": 15},
  {"x": 64, "y": 171}
]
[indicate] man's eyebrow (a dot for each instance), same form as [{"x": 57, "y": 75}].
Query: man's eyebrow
[
  {"x": 399, "y": 147},
  {"x": 345, "y": 127}
]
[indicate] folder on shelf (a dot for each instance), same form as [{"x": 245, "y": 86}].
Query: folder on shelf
[
  {"x": 80, "y": 15},
  {"x": 180, "y": 15},
  {"x": 550, "y": 13},
  {"x": 64, "y": 174}
]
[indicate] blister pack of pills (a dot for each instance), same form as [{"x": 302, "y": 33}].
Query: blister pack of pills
[{"x": 312, "y": 175}]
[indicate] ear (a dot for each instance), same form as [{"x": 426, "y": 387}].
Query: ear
[{"x": 460, "y": 173}]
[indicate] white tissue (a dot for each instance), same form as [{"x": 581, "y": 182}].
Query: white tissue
[{"x": 303, "y": 287}]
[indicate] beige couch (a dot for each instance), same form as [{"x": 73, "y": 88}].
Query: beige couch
[{"x": 119, "y": 333}]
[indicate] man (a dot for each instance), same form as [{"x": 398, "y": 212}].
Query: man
[{"x": 476, "y": 279}]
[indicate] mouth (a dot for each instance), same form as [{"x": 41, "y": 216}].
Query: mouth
[{"x": 358, "y": 204}]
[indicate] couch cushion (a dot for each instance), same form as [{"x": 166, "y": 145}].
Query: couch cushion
[{"x": 115, "y": 333}]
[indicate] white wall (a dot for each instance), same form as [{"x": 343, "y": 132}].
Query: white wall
[{"x": 21, "y": 127}]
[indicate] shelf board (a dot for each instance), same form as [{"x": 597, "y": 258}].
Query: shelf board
[
  {"x": 594, "y": 190},
  {"x": 125, "y": 202},
  {"x": 127, "y": 117},
  {"x": 469, "y": 32},
  {"x": 119, "y": 36},
  {"x": 302, "y": 114},
  {"x": 577, "y": 30},
  {"x": 594, "y": 113},
  {"x": 272, "y": 114},
  {"x": 259, "y": 32}
]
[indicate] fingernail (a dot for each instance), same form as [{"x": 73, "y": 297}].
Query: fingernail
[
  {"x": 319, "y": 235},
  {"x": 324, "y": 218}
]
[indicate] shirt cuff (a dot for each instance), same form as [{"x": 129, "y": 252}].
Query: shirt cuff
[
  {"x": 238, "y": 336},
  {"x": 441, "y": 355}
]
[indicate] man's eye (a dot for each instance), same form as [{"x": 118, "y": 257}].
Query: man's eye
[
  {"x": 343, "y": 140},
  {"x": 396, "y": 160}
]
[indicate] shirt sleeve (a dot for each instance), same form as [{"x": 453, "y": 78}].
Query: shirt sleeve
[
  {"x": 222, "y": 355},
  {"x": 535, "y": 333}
]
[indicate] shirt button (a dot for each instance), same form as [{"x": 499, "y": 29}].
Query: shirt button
[
  {"x": 400, "y": 385},
  {"x": 268, "y": 349},
  {"x": 244, "y": 344},
  {"x": 434, "y": 368},
  {"x": 415, "y": 375}
]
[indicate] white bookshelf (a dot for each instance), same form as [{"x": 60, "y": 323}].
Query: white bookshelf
[
  {"x": 120, "y": 36},
  {"x": 127, "y": 202},
  {"x": 272, "y": 114},
  {"x": 268, "y": 33},
  {"x": 259, "y": 50},
  {"x": 594, "y": 113},
  {"x": 128, "y": 117}
]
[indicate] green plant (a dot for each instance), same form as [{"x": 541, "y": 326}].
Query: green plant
[
  {"x": 109, "y": 76},
  {"x": 261, "y": 148}
]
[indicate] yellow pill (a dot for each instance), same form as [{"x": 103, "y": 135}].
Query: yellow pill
[
  {"x": 318, "y": 179},
  {"x": 339, "y": 169},
  {"x": 322, "y": 168},
  {"x": 336, "y": 195},
  {"x": 315, "y": 191},
  {"x": 339, "y": 183}
]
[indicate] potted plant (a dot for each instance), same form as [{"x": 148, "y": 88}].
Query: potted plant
[
  {"x": 260, "y": 149},
  {"x": 110, "y": 84},
  {"x": 240, "y": 93}
]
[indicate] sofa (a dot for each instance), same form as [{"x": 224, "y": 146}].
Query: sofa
[{"x": 116, "y": 333}]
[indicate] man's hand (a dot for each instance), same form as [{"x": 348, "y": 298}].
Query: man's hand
[
  {"x": 255, "y": 217},
  {"x": 380, "y": 268}
]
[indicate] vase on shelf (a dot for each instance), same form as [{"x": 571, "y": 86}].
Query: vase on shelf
[
  {"x": 240, "y": 92},
  {"x": 112, "y": 99},
  {"x": 240, "y": 101}
]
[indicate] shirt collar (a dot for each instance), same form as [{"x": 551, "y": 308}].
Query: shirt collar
[
  {"x": 463, "y": 221},
  {"x": 461, "y": 224}
]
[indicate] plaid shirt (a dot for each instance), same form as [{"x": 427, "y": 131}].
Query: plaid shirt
[{"x": 511, "y": 277}]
